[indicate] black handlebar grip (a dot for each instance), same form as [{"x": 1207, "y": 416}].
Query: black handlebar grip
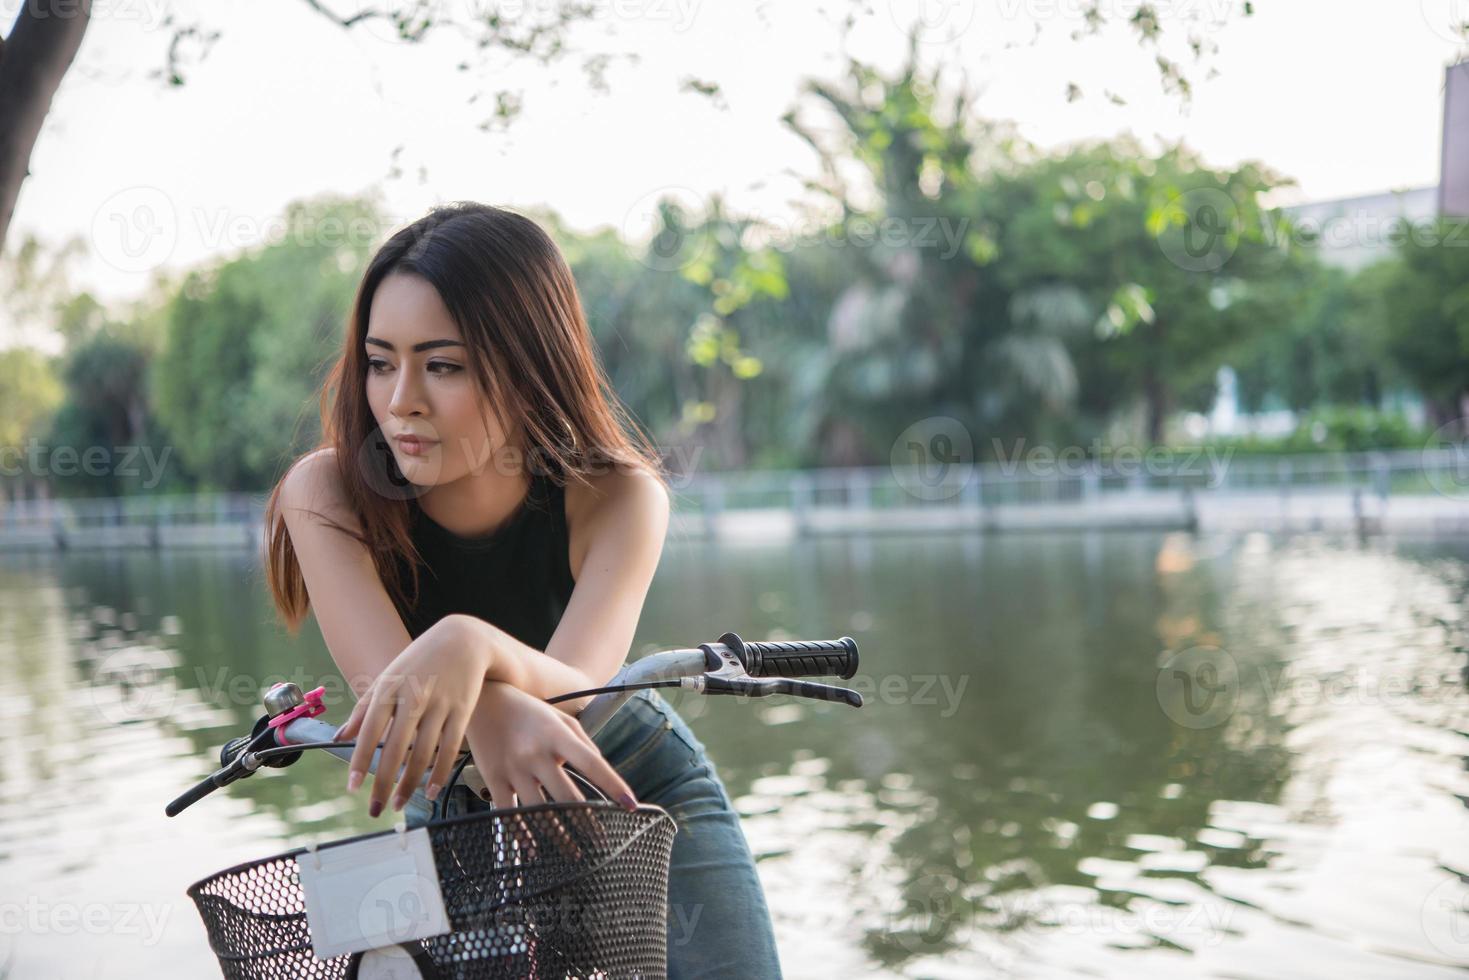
[
  {"x": 193, "y": 796},
  {"x": 795, "y": 658}
]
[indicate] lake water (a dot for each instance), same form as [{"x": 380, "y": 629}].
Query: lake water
[{"x": 1082, "y": 754}]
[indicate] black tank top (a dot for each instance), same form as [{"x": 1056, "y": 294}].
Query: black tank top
[{"x": 517, "y": 577}]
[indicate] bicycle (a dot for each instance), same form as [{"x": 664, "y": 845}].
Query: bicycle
[{"x": 539, "y": 890}]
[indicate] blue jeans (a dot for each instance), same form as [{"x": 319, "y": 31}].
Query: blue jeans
[{"x": 718, "y": 922}]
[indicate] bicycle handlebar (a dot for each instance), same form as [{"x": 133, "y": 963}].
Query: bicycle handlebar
[
  {"x": 729, "y": 666},
  {"x": 795, "y": 658},
  {"x": 202, "y": 789}
]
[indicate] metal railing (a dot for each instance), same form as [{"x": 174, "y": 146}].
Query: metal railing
[{"x": 1176, "y": 483}]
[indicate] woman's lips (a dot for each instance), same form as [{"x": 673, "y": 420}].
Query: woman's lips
[{"x": 414, "y": 446}]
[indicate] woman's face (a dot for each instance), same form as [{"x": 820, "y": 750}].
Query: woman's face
[{"x": 419, "y": 383}]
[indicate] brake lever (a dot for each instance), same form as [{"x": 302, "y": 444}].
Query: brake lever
[{"x": 751, "y": 687}]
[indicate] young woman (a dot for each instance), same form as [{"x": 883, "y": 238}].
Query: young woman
[{"x": 477, "y": 533}]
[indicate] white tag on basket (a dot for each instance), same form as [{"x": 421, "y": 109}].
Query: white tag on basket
[{"x": 372, "y": 893}]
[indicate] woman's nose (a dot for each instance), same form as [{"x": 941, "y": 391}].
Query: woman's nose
[{"x": 407, "y": 395}]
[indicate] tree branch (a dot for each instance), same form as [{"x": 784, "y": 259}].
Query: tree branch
[{"x": 40, "y": 48}]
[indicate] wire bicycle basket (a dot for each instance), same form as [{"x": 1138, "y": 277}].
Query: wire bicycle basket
[{"x": 552, "y": 890}]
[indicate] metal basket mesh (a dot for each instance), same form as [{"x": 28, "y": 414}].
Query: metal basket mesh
[{"x": 556, "y": 890}]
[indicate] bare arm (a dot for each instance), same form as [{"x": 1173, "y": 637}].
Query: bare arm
[
  {"x": 624, "y": 529},
  {"x": 358, "y": 620},
  {"x": 396, "y": 679}
]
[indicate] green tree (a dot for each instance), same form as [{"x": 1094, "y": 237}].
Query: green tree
[
  {"x": 1425, "y": 303},
  {"x": 1334, "y": 353},
  {"x": 107, "y": 408},
  {"x": 249, "y": 341},
  {"x": 29, "y": 393}
]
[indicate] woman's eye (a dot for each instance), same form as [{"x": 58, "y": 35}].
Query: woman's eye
[{"x": 377, "y": 366}]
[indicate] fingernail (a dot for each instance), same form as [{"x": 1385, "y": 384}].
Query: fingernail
[
  {"x": 354, "y": 780},
  {"x": 433, "y": 791},
  {"x": 398, "y": 802},
  {"x": 627, "y": 802},
  {"x": 375, "y": 809}
]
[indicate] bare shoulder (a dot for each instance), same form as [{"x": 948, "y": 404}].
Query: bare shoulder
[
  {"x": 633, "y": 505},
  {"x": 314, "y": 484},
  {"x": 623, "y": 489}
]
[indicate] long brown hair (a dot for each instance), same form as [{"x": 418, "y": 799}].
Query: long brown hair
[{"x": 511, "y": 292}]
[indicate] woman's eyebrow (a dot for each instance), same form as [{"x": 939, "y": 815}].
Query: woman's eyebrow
[{"x": 426, "y": 345}]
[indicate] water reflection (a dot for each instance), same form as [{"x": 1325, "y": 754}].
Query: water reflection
[{"x": 1083, "y": 754}]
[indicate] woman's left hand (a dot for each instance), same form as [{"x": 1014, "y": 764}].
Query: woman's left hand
[{"x": 418, "y": 708}]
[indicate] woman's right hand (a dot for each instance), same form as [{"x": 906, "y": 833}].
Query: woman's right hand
[{"x": 519, "y": 743}]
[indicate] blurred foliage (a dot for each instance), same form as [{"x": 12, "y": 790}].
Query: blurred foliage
[
  {"x": 249, "y": 341},
  {"x": 943, "y": 267},
  {"x": 1424, "y": 305},
  {"x": 1335, "y": 428},
  {"x": 29, "y": 393}
]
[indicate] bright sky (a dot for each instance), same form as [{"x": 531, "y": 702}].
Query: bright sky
[{"x": 1345, "y": 97}]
